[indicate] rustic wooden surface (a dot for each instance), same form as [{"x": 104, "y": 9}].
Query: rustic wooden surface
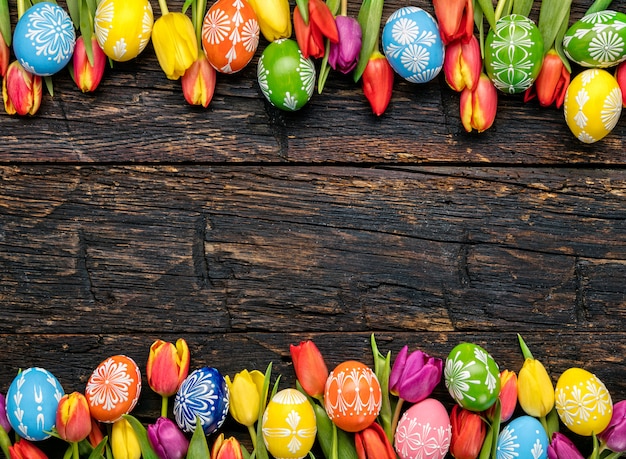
[{"x": 127, "y": 216}]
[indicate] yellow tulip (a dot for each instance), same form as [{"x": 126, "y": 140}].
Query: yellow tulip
[
  {"x": 124, "y": 442},
  {"x": 535, "y": 391},
  {"x": 274, "y": 18},
  {"x": 245, "y": 396},
  {"x": 175, "y": 43}
]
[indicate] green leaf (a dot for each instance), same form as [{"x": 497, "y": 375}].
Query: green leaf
[
  {"x": 370, "y": 14},
  {"x": 503, "y": 8},
  {"x": 324, "y": 69},
  {"x": 525, "y": 351},
  {"x": 260, "y": 451},
  {"x": 244, "y": 452},
  {"x": 5, "y": 21},
  {"x": 86, "y": 29},
  {"x": 486, "y": 8},
  {"x": 551, "y": 17},
  {"x": 142, "y": 435},
  {"x": 485, "y": 451},
  {"x": 68, "y": 452},
  {"x": 97, "y": 451},
  {"x": 5, "y": 442},
  {"x": 333, "y": 6},
  {"x": 382, "y": 369},
  {"x": 523, "y": 7},
  {"x": 198, "y": 446},
  {"x": 303, "y": 6},
  {"x": 186, "y": 5},
  {"x": 558, "y": 43},
  {"x": 49, "y": 85},
  {"x": 598, "y": 5},
  {"x": 74, "y": 10},
  {"x": 325, "y": 427}
]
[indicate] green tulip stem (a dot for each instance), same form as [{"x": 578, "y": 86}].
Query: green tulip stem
[
  {"x": 164, "y": 401},
  {"x": 396, "y": 414},
  {"x": 613, "y": 455},
  {"x": 75, "y": 454},
  {"x": 163, "y": 6},
  {"x": 544, "y": 423},
  {"x": 252, "y": 431},
  {"x": 334, "y": 454}
]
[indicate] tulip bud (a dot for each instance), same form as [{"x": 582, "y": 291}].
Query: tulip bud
[
  {"x": 167, "y": 367},
  {"x": 462, "y": 64},
  {"x": 561, "y": 447},
  {"x": 167, "y": 439},
  {"x": 551, "y": 83},
  {"x": 245, "y": 391},
  {"x": 86, "y": 76},
  {"x": 24, "y": 449},
  {"x": 479, "y": 106},
  {"x": 21, "y": 91},
  {"x": 175, "y": 43},
  {"x": 229, "y": 448},
  {"x": 378, "y": 79},
  {"x": 198, "y": 82},
  {"x": 344, "y": 55},
  {"x": 620, "y": 76},
  {"x": 5, "y": 53},
  {"x": 468, "y": 433},
  {"x": 455, "y": 18},
  {"x": 311, "y": 370},
  {"x": 507, "y": 396},
  {"x": 535, "y": 391},
  {"x": 614, "y": 435},
  {"x": 372, "y": 443},
  {"x": 274, "y": 18},
  {"x": 124, "y": 441},
  {"x": 73, "y": 421},
  {"x": 414, "y": 376},
  {"x": 95, "y": 434},
  {"x": 310, "y": 36}
]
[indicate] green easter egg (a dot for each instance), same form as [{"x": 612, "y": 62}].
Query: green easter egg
[
  {"x": 513, "y": 53},
  {"x": 598, "y": 40},
  {"x": 472, "y": 377},
  {"x": 286, "y": 78}
]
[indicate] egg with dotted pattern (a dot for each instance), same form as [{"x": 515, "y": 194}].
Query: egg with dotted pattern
[{"x": 582, "y": 401}]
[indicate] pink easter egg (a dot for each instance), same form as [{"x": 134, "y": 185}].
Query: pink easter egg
[{"x": 424, "y": 431}]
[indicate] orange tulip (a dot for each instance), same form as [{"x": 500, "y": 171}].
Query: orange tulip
[
  {"x": 468, "y": 433},
  {"x": 198, "y": 82},
  {"x": 310, "y": 36},
  {"x": 21, "y": 90},
  {"x": 462, "y": 64},
  {"x": 168, "y": 366},
  {"x": 73, "y": 421},
  {"x": 507, "y": 396},
  {"x": 551, "y": 83},
  {"x": 86, "y": 76},
  {"x": 310, "y": 368},
  {"x": 378, "y": 79},
  {"x": 456, "y": 19},
  {"x": 229, "y": 448},
  {"x": 5, "y": 53},
  {"x": 479, "y": 106},
  {"x": 372, "y": 443},
  {"x": 95, "y": 435}
]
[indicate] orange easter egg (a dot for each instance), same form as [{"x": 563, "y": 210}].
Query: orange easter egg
[
  {"x": 230, "y": 35},
  {"x": 113, "y": 388}
]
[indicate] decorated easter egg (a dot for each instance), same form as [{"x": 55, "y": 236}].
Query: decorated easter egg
[
  {"x": 44, "y": 39},
  {"x": 352, "y": 396},
  {"x": 593, "y": 105},
  {"x": 288, "y": 425},
  {"x": 582, "y": 401},
  {"x": 513, "y": 53},
  {"x": 31, "y": 403},
  {"x": 230, "y": 35},
  {"x": 523, "y": 438},
  {"x": 286, "y": 78},
  {"x": 413, "y": 45},
  {"x": 472, "y": 377},
  {"x": 113, "y": 388},
  {"x": 203, "y": 394},
  {"x": 123, "y": 28},
  {"x": 597, "y": 40},
  {"x": 424, "y": 431}
]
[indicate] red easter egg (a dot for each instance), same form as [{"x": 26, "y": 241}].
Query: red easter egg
[
  {"x": 352, "y": 396},
  {"x": 113, "y": 388},
  {"x": 230, "y": 35}
]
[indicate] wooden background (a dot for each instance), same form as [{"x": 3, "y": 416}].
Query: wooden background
[{"x": 127, "y": 215}]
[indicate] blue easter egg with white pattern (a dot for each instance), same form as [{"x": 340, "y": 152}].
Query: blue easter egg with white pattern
[
  {"x": 523, "y": 438},
  {"x": 203, "y": 393},
  {"x": 412, "y": 44},
  {"x": 31, "y": 403},
  {"x": 44, "y": 39}
]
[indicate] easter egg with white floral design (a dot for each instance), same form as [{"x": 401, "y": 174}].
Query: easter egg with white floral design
[
  {"x": 582, "y": 401},
  {"x": 123, "y": 28},
  {"x": 471, "y": 376},
  {"x": 413, "y": 45},
  {"x": 230, "y": 35},
  {"x": 513, "y": 53},
  {"x": 113, "y": 388},
  {"x": 523, "y": 438},
  {"x": 592, "y": 105},
  {"x": 44, "y": 39},
  {"x": 424, "y": 431},
  {"x": 31, "y": 403},
  {"x": 286, "y": 77},
  {"x": 288, "y": 425},
  {"x": 352, "y": 396}
]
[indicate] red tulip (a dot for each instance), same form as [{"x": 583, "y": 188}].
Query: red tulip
[
  {"x": 551, "y": 83},
  {"x": 24, "y": 449},
  {"x": 372, "y": 443},
  {"x": 86, "y": 76},
  {"x": 310, "y": 37},
  {"x": 21, "y": 90},
  {"x": 468, "y": 433},
  {"x": 198, "y": 82},
  {"x": 95, "y": 435},
  {"x": 5, "y": 53},
  {"x": 456, "y": 19},
  {"x": 507, "y": 396},
  {"x": 168, "y": 366},
  {"x": 311, "y": 370},
  {"x": 378, "y": 82},
  {"x": 462, "y": 64},
  {"x": 479, "y": 106},
  {"x": 73, "y": 421}
]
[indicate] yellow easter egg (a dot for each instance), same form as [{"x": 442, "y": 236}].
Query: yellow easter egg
[
  {"x": 288, "y": 425},
  {"x": 582, "y": 401},
  {"x": 593, "y": 104},
  {"x": 123, "y": 27}
]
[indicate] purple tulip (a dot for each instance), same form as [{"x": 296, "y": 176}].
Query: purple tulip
[
  {"x": 167, "y": 439},
  {"x": 614, "y": 436},
  {"x": 562, "y": 447},
  {"x": 343, "y": 55},
  {"x": 4, "y": 422},
  {"x": 413, "y": 377}
]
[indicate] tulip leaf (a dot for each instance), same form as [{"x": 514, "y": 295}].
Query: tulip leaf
[
  {"x": 485, "y": 450},
  {"x": 382, "y": 369},
  {"x": 186, "y": 5},
  {"x": 86, "y": 30},
  {"x": 142, "y": 435},
  {"x": 523, "y": 7},
  {"x": 74, "y": 11},
  {"x": 369, "y": 17},
  {"x": 244, "y": 452},
  {"x": 260, "y": 451},
  {"x": 97, "y": 451},
  {"x": 551, "y": 17},
  {"x": 552, "y": 422},
  {"x": 598, "y": 5},
  {"x": 503, "y": 8},
  {"x": 486, "y": 7},
  {"x": 333, "y": 6},
  {"x": 558, "y": 43},
  {"x": 49, "y": 85},
  {"x": 5, "y": 441},
  {"x": 325, "y": 427},
  {"x": 303, "y": 6},
  {"x": 198, "y": 447},
  {"x": 525, "y": 351},
  {"x": 68, "y": 452}
]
